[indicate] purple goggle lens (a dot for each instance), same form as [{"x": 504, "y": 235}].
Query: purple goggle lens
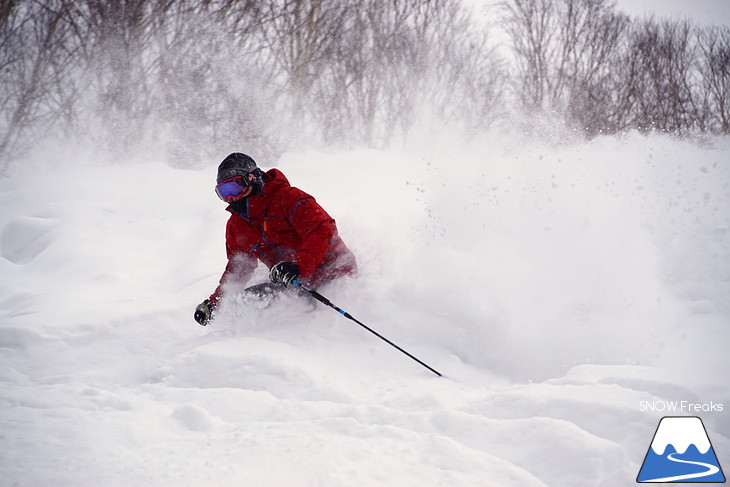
[{"x": 231, "y": 189}]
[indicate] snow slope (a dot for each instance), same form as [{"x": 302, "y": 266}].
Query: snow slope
[{"x": 558, "y": 288}]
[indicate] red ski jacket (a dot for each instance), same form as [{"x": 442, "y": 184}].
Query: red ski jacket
[{"x": 283, "y": 223}]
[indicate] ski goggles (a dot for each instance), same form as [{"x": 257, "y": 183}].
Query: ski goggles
[{"x": 231, "y": 189}]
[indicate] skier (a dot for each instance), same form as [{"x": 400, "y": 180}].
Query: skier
[{"x": 277, "y": 224}]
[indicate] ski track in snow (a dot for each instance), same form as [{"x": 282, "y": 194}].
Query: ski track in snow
[{"x": 555, "y": 287}]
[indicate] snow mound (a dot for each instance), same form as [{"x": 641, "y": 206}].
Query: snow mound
[
  {"x": 557, "y": 288},
  {"x": 24, "y": 238}
]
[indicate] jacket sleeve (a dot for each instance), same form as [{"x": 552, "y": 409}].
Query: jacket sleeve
[
  {"x": 239, "y": 269},
  {"x": 313, "y": 225}
]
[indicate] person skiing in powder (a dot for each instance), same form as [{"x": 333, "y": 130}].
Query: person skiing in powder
[{"x": 277, "y": 224}]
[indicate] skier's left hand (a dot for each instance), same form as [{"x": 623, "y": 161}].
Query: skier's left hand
[{"x": 284, "y": 272}]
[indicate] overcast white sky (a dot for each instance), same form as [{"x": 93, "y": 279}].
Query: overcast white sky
[{"x": 702, "y": 11}]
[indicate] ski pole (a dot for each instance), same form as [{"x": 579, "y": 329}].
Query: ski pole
[{"x": 344, "y": 313}]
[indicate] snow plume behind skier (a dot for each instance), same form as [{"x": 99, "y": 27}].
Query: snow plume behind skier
[{"x": 278, "y": 225}]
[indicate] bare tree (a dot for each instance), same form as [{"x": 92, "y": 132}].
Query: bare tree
[
  {"x": 531, "y": 26},
  {"x": 401, "y": 60},
  {"x": 120, "y": 65},
  {"x": 460, "y": 78},
  {"x": 663, "y": 84},
  {"x": 199, "y": 88},
  {"x": 585, "y": 87},
  {"x": 714, "y": 66},
  {"x": 566, "y": 53},
  {"x": 36, "y": 57}
]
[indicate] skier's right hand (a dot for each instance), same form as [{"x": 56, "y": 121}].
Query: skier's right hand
[{"x": 203, "y": 312}]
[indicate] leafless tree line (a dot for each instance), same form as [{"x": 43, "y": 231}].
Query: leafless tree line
[
  {"x": 603, "y": 72},
  {"x": 196, "y": 75}
]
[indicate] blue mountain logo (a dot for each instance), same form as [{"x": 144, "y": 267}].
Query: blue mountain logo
[{"x": 681, "y": 452}]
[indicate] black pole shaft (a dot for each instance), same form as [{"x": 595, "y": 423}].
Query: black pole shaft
[{"x": 347, "y": 315}]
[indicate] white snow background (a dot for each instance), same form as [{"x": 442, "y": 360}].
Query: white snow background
[{"x": 556, "y": 287}]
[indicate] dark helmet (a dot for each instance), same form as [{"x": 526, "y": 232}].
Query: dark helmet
[{"x": 238, "y": 164}]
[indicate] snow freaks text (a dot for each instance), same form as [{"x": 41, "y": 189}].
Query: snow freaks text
[{"x": 680, "y": 407}]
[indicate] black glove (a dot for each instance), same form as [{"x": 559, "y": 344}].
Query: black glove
[
  {"x": 203, "y": 312},
  {"x": 284, "y": 272}
]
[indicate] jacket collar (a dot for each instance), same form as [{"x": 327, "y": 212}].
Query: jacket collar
[{"x": 254, "y": 206}]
